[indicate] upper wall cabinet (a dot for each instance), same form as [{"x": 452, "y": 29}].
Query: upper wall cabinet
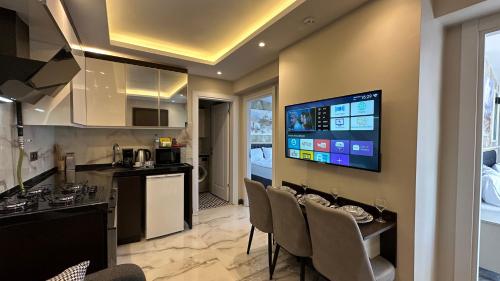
[
  {"x": 130, "y": 95},
  {"x": 173, "y": 98},
  {"x": 105, "y": 91},
  {"x": 142, "y": 96}
]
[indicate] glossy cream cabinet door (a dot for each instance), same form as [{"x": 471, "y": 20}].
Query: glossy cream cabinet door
[
  {"x": 142, "y": 96},
  {"x": 173, "y": 99},
  {"x": 105, "y": 92}
]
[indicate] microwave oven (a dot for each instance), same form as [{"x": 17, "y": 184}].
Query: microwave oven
[{"x": 167, "y": 156}]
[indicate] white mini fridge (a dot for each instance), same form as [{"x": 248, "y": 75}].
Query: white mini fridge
[{"x": 164, "y": 204}]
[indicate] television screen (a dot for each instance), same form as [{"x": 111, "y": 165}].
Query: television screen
[{"x": 342, "y": 131}]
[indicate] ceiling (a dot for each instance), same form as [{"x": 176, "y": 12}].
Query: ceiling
[{"x": 204, "y": 37}]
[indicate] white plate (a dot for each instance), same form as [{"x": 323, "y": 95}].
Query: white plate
[
  {"x": 287, "y": 189},
  {"x": 368, "y": 219},
  {"x": 355, "y": 211},
  {"x": 315, "y": 198}
]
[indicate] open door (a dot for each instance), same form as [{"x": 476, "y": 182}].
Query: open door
[{"x": 220, "y": 151}]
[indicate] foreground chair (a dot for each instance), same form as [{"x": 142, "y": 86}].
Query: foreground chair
[
  {"x": 290, "y": 229},
  {"x": 338, "y": 251},
  {"x": 260, "y": 214}
]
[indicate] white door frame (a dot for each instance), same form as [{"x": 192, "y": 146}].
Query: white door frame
[
  {"x": 467, "y": 220},
  {"x": 262, "y": 93},
  {"x": 233, "y": 143}
]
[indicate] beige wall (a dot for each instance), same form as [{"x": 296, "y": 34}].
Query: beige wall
[
  {"x": 426, "y": 186},
  {"x": 448, "y": 153},
  {"x": 263, "y": 76},
  {"x": 375, "y": 47},
  {"x": 443, "y": 7}
]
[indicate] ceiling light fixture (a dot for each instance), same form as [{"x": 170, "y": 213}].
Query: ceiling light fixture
[
  {"x": 262, "y": 44},
  {"x": 219, "y": 73},
  {"x": 309, "y": 20}
]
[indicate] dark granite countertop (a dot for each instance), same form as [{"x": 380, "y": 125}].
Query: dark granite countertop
[{"x": 100, "y": 175}]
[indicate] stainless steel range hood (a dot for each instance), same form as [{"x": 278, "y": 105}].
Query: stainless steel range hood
[{"x": 23, "y": 78}]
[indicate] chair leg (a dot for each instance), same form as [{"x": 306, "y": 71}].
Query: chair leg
[
  {"x": 269, "y": 252},
  {"x": 302, "y": 269},
  {"x": 275, "y": 259},
  {"x": 250, "y": 239}
]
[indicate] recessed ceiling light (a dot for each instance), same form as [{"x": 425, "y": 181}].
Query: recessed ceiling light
[
  {"x": 101, "y": 72},
  {"x": 39, "y": 110},
  {"x": 262, "y": 44},
  {"x": 309, "y": 20},
  {"x": 219, "y": 73},
  {"x": 182, "y": 95}
]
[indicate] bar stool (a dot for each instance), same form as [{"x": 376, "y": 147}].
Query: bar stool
[
  {"x": 290, "y": 228},
  {"x": 260, "y": 214},
  {"x": 338, "y": 251}
]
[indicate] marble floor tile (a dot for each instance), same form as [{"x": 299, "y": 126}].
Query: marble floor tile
[{"x": 215, "y": 249}]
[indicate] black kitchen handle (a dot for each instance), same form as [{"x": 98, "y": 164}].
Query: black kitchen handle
[{"x": 148, "y": 155}]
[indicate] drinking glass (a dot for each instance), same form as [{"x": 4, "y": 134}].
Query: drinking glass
[
  {"x": 380, "y": 204},
  {"x": 334, "y": 192}
]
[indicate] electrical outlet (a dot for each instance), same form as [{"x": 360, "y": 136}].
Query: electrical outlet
[{"x": 33, "y": 156}]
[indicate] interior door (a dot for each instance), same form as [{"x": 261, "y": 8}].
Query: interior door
[{"x": 219, "y": 183}]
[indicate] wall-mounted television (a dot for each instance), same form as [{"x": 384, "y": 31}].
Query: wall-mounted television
[{"x": 342, "y": 131}]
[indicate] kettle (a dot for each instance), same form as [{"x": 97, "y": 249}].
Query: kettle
[{"x": 142, "y": 155}]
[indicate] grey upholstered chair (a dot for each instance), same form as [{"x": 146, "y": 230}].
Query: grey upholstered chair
[
  {"x": 290, "y": 228},
  {"x": 260, "y": 214},
  {"x": 338, "y": 251}
]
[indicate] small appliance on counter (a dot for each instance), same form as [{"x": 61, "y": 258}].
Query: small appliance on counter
[
  {"x": 142, "y": 155},
  {"x": 168, "y": 156},
  {"x": 165, "y": 142},
  {"x": 128, "y": 157}
]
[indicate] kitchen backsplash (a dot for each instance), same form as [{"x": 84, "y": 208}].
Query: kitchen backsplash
[
  {"x": 94, "y": 145},
  {"x": 38, "y": 138}
]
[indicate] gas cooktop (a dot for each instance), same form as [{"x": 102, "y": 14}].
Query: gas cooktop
[{"x": 48, "y": 196}]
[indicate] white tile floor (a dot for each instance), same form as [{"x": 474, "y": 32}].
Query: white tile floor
[{"x": 214, "y": 250}]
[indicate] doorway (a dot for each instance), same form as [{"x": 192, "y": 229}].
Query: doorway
[
  {"x": 489, "y": 222},
  {"x": 259, "y": 135},
  {"x": 213, "y": 169},
  {"x": 228, "y": 176}
]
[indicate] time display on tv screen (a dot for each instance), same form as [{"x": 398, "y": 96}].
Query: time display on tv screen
[{"x": 342, "y": 131}]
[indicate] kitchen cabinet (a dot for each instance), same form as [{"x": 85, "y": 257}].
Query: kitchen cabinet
[
  {"x": 129, "y": 209},
  {"x": 173, "y": 98},
  {"x": 142, "y": 96},
  {"x": 105, "y": 92},
  {"x": 164, "y": 204}
]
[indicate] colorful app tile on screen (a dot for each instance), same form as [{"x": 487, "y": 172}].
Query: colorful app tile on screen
[
  {"x": 340, "y": 146},
  {"x": 364, "y": 148},
  {"x": 307, "y": 155},
  {"x": 339, "y": 110},
  {"x": 306, "y": 144},
  {"x": 339, "y": 124},
  {"x": 322, "y": 145},
  {"x": 322, "y": 157},
  {"x": 294, "y": 153},
  {"x": 339, "y": 159},
  {"x": 362, "y": 123},
  {"x": 362, "y": 108},
  {"x": 293, "y": 143}
]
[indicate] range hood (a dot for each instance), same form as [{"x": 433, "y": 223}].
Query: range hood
[{"x": 24, "y": 79}]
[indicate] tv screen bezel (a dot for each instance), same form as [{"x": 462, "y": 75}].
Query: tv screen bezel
[{"x": 331, "y": 164}]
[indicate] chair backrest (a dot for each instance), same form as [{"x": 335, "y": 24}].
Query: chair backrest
[
  {"x": 260, "y": 208},
  {"x": 290, "y": 227},
  {"x": 338, "y": 251}
]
